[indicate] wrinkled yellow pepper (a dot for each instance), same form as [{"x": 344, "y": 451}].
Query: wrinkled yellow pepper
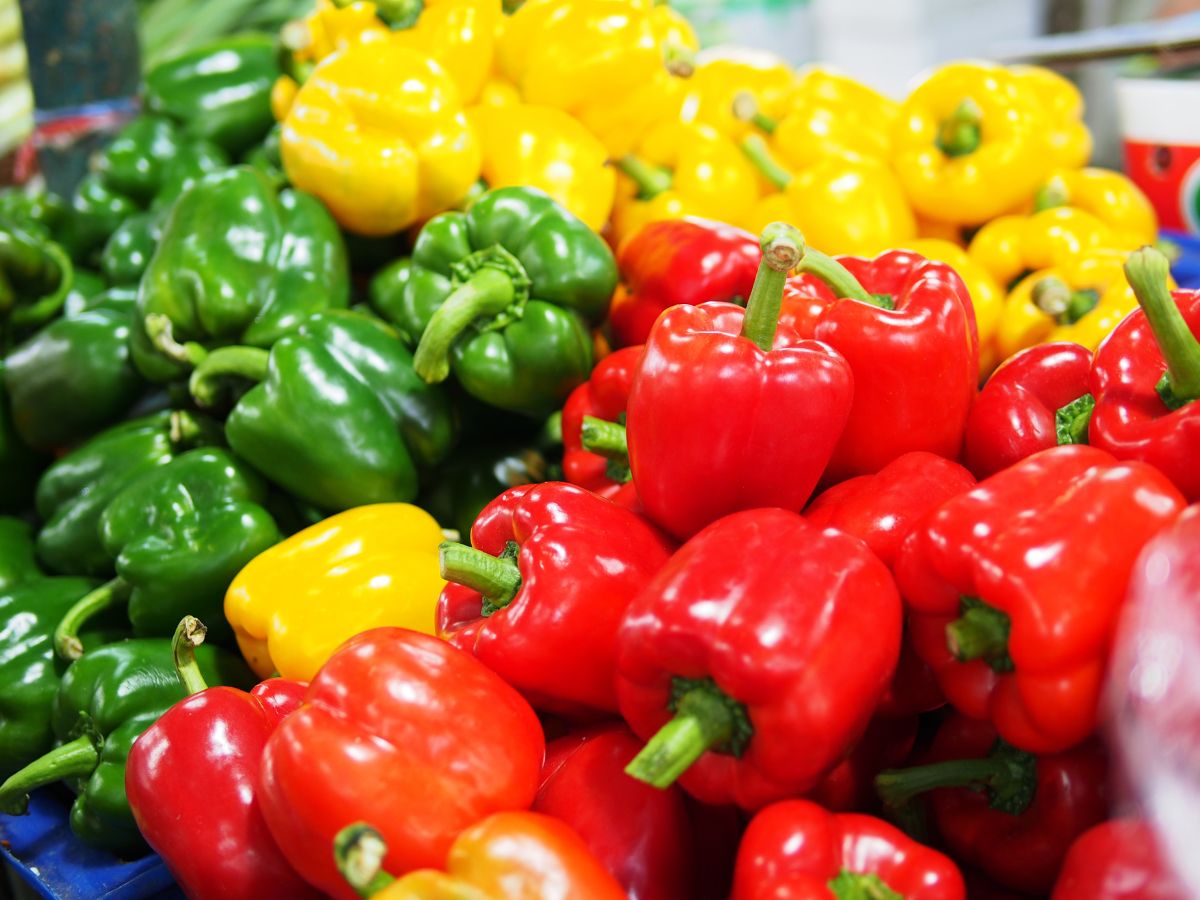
[
  {"x": 1067, "y": 139},
  {"x": 1109, "y": 196},
  {"x": 724, "y": 74},
  {"x": 368, "y": 567}
]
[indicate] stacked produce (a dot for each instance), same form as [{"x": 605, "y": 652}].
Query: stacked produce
[{"x": 457, "y": 451}]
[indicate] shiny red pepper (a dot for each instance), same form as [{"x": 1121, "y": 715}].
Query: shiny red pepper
[
  {"x": 907, "y": 327},
  {"x": 1014, "y": 588},
  {"x": 796, "y": 849},
  {"x": 1036, "y": 400},
  {"x": 729, "y": 409},
  {"x": 192, "y": 783},
  {"x": 682, "y": 261},
  {"x": 1118, "y": 860},
  {"x": 755, "y": 658},
  {"x": 404, "y": 731},
  {"x": 596, "y": 409},
  {"x": 1146, "y": 378},
  {"x": 1009, "y": 813},
  {"x": 540, "y": 595}
]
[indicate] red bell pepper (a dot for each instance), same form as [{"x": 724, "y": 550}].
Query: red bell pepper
[
  {"x": 731, "y": 411},
  {"x": 540, "y": 595},
  {"x": 850, "y": 787},
  {"x": 1146, "y": 378},
  {"x": 640, "y": 834},
  {"x": 754, "y": 660},
  {"x": 192, "y": 782},
  {"x": 597, "y": 409},
  {"x": 1014, "y": 588},
  {"x": 1036, "y": 400},
  {"x": 1118, "y": 860},
  {"x": 677, "y": 262},
  {"x": 907, "y": 327},
  {"x": 408, "y": 732},
  {"x": 796, "y": 849},
  {"x": 1009, "y": 813}
]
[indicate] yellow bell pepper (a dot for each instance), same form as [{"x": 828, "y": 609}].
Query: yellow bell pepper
[
  {"x": 723, "y": 74},
  {"x": 380, "y": 158},
  {"x": 461, "y": 36},
  {"x": 368, "y": 567},
  {"x": 1068, "y": 140},
  {"x": 944, "y": 231},
  {"x": 683, "y": 170},
  {"x": 545, "y": 148},
  {"x": 498, "y": 92},
  {"x": 970, "y": 143},
  {"x": 330, "y": 27},
  {"x": 1109, "y": 196}
]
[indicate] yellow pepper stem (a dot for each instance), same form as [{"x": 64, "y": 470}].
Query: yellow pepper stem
[
  {"x": 961, "y": 132},
  {"x": 745, "y": 109},
  {"x": 188, "y": 636},
  {"x": 359, "y": 851},
  {"x": 759, "y": 154},
  {"x": 783, "y": 249},
  {"x": 651, "y": 180},
  {"x": 1147, "y": 271},
  {"x": 679, "y": 59}
]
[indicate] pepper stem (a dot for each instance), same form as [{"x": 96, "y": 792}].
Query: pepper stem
[
  {"x": 399, "y": 14},
  {"x": 840, "y": 280},
  {"x": 497, "y": 578},
  {"x": 980, "y": 632},
  {"x": 756, "y": 150},
  {"x": 76, "y": 759},
  {"x": 961, "y": 132},
  {"x": 186, "y": 431},
  {"x": 1007, "y": 774},
  {"x": 488, "y": 292},
  {"x": 359, "y": 851},
  {"x": 162, "y": 335},
  {"x": 679, "y": 59},
  {"x": 67, "y": 644},
  {"x": 861, "y": 886},
  {"x": 651, "y": 180},
  {"x": 745, "y": 109},
  {"x": 1051, "y": 195},
  {"x": 604, "y": 438},
  {"x": 188, "y": 636},
  {"x": 47, "y": 307},
  {"x": 1072, "y": 420},
  {"x": 1147, "y": 271},
  {"x": 783, "y": 249},
  {"x": 250, "y": 363}
]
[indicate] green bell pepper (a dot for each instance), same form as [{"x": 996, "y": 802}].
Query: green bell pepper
[
  {"x": 339, "y": 418},
  {"x": 220, "y": 91},
  {"x": 35, "y": 210},
  {"x": 36, "y": 276},
  {"x": 84, "y": 286},
  {"x": 179, "y": 535},
  {"x": 239, "y": 263},
  {"x": 503, "y": 294},
  {"x": 95, "y": 212},
  {"x": 74, "y": 492},
  {"x": 471, "y": 479},
  {"x": 128, "y": 251},
  {"x": 135, "y": 163},
  {"x": 19, "y": 463},
  {"x": 107, "y": 698},
  {"x": 17, "y": 560}
]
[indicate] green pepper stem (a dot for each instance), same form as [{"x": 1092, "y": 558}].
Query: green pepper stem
[
  {"x": 1071, "y": 421},
  {"x": 1147, "y": 271},
  {"x": 1008, "y": 775},
  {"x": 650, "y": 180},
  {"x": 839, "y": 279},
  {"x": 745, "y": 109},
  {"x": 783, "y": 249},
  {"x": 962, "y": 131},
  {"x": 861, "y": 886},
  {"x": 76, "y": 759},
  {"x": 249, "y": 363},
  {"x": 359, "y": 851},
  {"x": 188, "y": 636},
  {"x": 980, "y": 632},
  {"x": 186, "y": 431},
  {"x": 759, "y": 154},
  {"x": 398, "y": 14},
  {"x": 497, "y": 578},
  {"x": 487, "y": 293},
  {"x": 604, "y": 438},
  {"x": 1052, "y": 296},
  {"x": 161, "y": 333},
  {"x": 1051, "y": 195},
  {"x": 67, "y": 644},
  {"x": 46, "y": 308},
  {"x": 679, "y": 59}
]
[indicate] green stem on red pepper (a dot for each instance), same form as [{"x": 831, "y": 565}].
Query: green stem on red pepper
[
  {"x": 497, "y": 578},
  {"x": 66, "y": 635},
  {"x": 840, "y": 280},
  {"x": 651, "y": 180},
  {"x": 360, "y": 850},
  {"x": 1007, "y": 774},
  {"x": 76, "y": 759},
  {"x": 249, "y": 363},
  {"x": 980, "y": 632},
  {"x": 1072, "y": 420},
  {"x": 1147, "y": 271},
  {"x": 745, "y": 109},
  {"x": 960, "y": 133},
  {"x": 783, "y": 249},
  {"x": 860, "y": 886},
  {"x": 604, "y": 438},
  {"x": 188, "y": 636}
]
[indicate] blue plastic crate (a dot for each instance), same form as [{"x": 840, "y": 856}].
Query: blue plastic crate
[{"x": 1186, "y": 269}]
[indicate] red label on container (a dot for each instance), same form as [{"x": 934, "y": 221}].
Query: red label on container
[{"x": 1170, "y": 176}]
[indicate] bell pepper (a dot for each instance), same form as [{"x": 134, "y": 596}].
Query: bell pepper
[
  {"x": 731, "y": 410},
  {"x": 337, "y": 416},
  {"x": 724, "y": 666},
  {"x": 797, "y": 849},
  {"x": 1007, "y": 812},
  {"x": 1036, "y": 400},
  {"x": 473, "y": 477},
  {"x": 682, "y": 170},
  {"x": 544, "y": 148},
  {"x": 214, "y": 737},
  {"x": 329, "y": 28},
  {"x": 640, "y": 834},
  {"x": 18, "y": 562},
  {"x": 293, "y": 604},
  {"x": 151, "y": 160},
  {"x": 507, "y": 856},
  {"x": 265, "y": 157},
  {"x": 74, "y": 492},
  {"x": 405, "y": 731},
  {"x": 33, "y": 208},
  {"x": 1118, "y": 860},
  {"x": 239, "y": 262},
  {"x": 219, "y": 91},
  {"x": 907, "y": 328},
  {"x": 722, "y": 74},
  {"x": 687, "y": 261},
  {"x": 1146, "y": 378},
  {"x": 35, "y": 278},
  {"x": 380, "y": 160},
  {"x": 503, "y": 296},
  {"x": 850, "y": 786},
  {"x": 94, "y": 214},
  {"x": 973, "y": 140},
  {"x": 599, "y": 403},
  {"x": 20, "y": 464},
  {"x": 127, "y": 252},
  {"x": 461, "y": 36},
  {"x": 106, "y": 699},
  {"x": 1014, "y": 606},
  {"x": 1109, "y": 196},
  {"x": 1067, "y": 138},
  {"x": 540, "y": 593}
]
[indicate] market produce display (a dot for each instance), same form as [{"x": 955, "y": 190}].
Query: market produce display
[{"x": 502, "y": 451}]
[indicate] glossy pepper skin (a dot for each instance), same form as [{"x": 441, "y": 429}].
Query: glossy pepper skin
[
  {"x": 95, "y": 212},
  {"x": 1068, "y": 138},
  {"x": 1117, "y": 860},
  {"x": 926, "y": 346},
  {"x": 730, "y": 410},
  {"x": 128, "y": 250},
  {"x": 503, "y": 296},
  {"x": 337, "y": 417},
  {"x": 705, "y": 641},
  {"x": 475, "y": 476},
  {"x": 151, "y": 161},
  {"x": 1036, "y": 400},
  {"x": 17, "y": 558},
  {"x": 1109, "y": 196},
  {"x": 1014, "y": 604},
  {"x": 1009, "y": 814},
  {"x": 460, "y": 35},
  {"x": 685, "y": 261},
  {"x": 239, "y": 262},
  {"x": 604, "y": 396},
  {"x": 290, "y": 610},
  {"x": 797, "y": 849},
  {"x": 371, "y": 742},
  {"x": 215, "y": 736},
  {"x": 106, "y": 699},
  {"x": 35, "y": 278},
  {"x": 540, "y": 593},
  {"x": 723, "y": 73}
]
